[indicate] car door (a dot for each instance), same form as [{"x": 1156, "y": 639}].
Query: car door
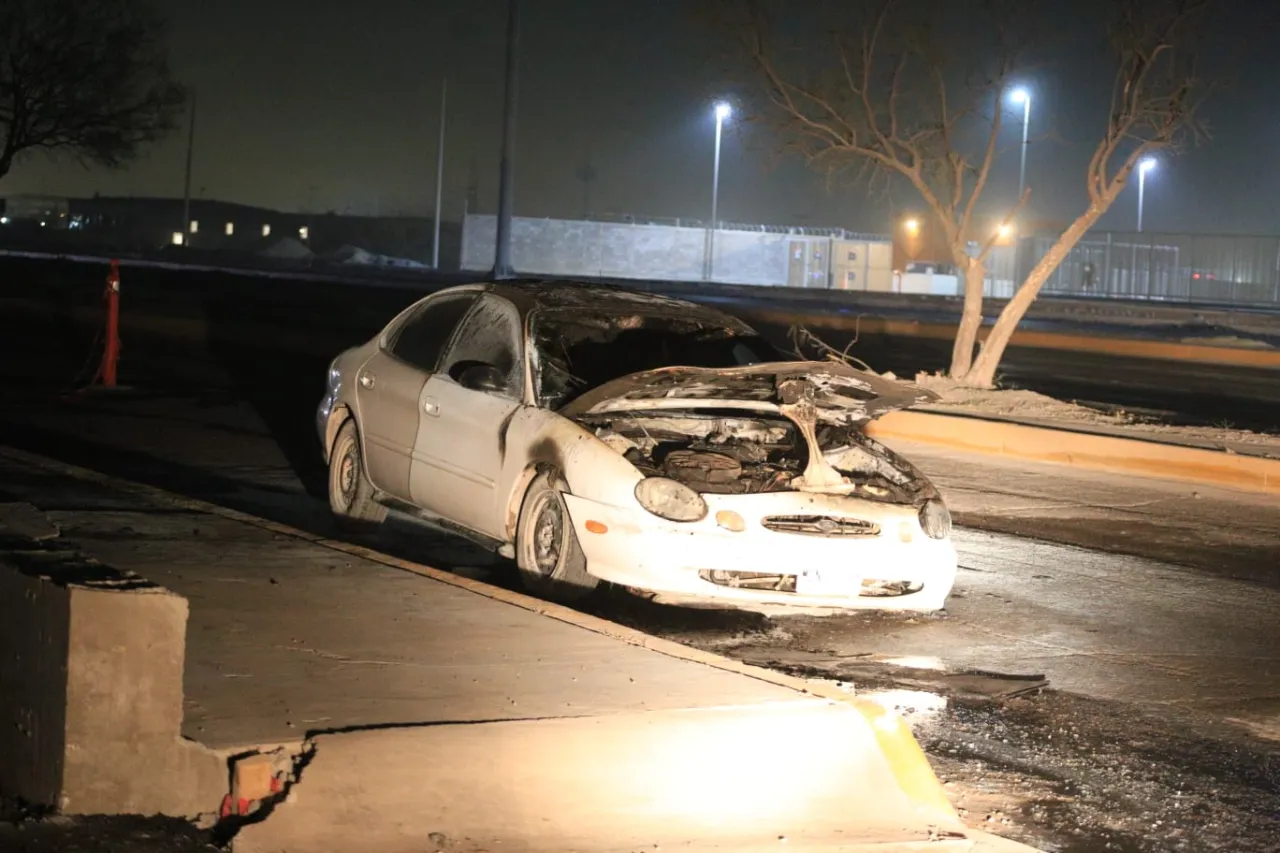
[
  {"x": 388, "y": 388},
  {"x": 460, "y": 448}
]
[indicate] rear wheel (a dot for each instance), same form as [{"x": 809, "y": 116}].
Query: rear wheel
[
  {"x": 350, "y": 492},
  {"x": 550, "y": 559}
]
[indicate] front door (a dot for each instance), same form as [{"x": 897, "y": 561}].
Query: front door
[{"x": 460, "y": 448}]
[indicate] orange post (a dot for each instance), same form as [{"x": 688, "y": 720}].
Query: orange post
[{"x": 111, "y": 348}]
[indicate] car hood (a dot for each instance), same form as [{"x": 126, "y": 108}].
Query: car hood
[{"x": 839, "y": 394}]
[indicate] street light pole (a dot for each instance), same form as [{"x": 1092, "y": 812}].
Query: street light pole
[
  {"x": 186, "y": 185},
  {"x": 435, "y": 241},
  {"x": 722, "y": 112},
  {"x": 1026, "y": 125},
  {"x": 502, "y": 249},
  {"x": 1145, "y": 166},
  {"x": 1022, "y": 96}
]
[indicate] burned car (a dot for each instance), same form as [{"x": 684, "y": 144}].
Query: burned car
[{"x": 598, "y": 434}]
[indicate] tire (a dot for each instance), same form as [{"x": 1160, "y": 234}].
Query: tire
[
  {"x": 350, "y": 492},
  {"x": 548, "y": 555}
]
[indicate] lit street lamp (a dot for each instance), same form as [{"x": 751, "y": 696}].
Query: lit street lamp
[
  {"x": 1022, "y": 96},
  {"x": 1145, "y": 166},
  {"x": 723, "y": 111}
]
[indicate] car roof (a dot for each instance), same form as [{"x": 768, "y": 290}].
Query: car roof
[{"x": 553, "y": 294}]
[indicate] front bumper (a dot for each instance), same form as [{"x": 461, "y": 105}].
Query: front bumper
[{"x": 667, "y": 559}]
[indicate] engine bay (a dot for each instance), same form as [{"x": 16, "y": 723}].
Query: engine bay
[{"x": 719, "y": 453}]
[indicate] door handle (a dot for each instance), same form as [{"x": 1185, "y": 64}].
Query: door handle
[
  {"x": 431, "y": 407},
  {"x": 366, "y": 379}
]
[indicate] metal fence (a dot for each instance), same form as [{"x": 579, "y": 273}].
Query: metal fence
[
  {"x": 1220, "y": 270},
  {"x": 723, "y": 225}
]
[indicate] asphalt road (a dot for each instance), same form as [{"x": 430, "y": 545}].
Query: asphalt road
[{"x": 1148, "y": 607}]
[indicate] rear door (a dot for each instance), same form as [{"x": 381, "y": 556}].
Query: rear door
[{"x": 389, "y": 386}]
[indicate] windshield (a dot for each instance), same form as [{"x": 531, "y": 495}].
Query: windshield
[{"x": 579, "y": 351}]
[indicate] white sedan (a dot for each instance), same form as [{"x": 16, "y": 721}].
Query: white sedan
[{"x": 598, "y": 434}]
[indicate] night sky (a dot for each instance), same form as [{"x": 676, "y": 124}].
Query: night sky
[{"x": 333, "y": 105}]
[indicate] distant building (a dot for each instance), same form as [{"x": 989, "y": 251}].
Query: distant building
[
  {"x": 147, "y": 224},
  {"x": 40, "y": 210}
]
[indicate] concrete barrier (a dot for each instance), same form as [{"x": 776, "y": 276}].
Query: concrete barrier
[
  {"x": 1082, "y": 450},
  {"x": 91, "y": 665}
]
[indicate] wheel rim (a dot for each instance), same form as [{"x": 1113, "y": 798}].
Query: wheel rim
[
  {"x": 547, "y": 535},
  {"x": 348, "y": 469}
]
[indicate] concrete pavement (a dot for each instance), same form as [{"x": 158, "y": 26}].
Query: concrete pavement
[{"x": 532, "y": 732}]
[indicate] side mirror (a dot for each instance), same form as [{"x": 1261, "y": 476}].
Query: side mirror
[{"x": 478, "y": 376}]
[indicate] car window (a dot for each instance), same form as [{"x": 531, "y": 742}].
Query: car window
[
  {"x": 490, "y": 334},
  {"x": 420, "y": 339},
  {"x": 578, "y": 351}
]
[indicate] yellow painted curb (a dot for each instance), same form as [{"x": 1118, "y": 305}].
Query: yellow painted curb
[
  {"x": 1129, "y": 347},
  {"x": 906, "y": 759},
  {"x": 1083, "y": 450}
]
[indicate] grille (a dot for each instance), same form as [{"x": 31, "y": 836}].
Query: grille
[
  {"x": 750, "y": 580},
  {"x": 821, "y": 525}
]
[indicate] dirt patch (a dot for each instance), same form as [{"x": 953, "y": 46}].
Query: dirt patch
[
  {"x": 22, "y": 831},
  {"x": 1030, "y": 406},
  {"x": 1068, "y": 774}
]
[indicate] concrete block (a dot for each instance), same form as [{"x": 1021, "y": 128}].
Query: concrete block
[
  {"x": 254, "y": 778},
  {"x": 91, "y": 693}
]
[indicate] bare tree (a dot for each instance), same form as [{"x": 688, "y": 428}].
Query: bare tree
[
  {"x": 84, "y": 77},
  {"x": 881, "y": 92}
]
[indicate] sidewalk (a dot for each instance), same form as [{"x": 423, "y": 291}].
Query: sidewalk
[{"x": 426, "y": 709}]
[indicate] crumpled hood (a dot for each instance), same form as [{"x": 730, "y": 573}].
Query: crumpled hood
[{"x": 839, "y": 394}]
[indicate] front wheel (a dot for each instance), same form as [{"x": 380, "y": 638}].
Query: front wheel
[
  {"x": 548, "y": 555},
  {"x": 350, "y": 492}
]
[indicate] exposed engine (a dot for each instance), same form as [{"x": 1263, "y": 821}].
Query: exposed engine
[{"x": 718, "y": 454}]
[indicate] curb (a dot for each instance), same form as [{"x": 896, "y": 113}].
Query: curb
[
  {"x": 1082, "y": 450},
  {"x": 1129, "y": 347}
]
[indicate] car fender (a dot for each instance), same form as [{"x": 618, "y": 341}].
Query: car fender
[
  {"x": 538, "y": 440},
  {"x": 337, "y": 417}
]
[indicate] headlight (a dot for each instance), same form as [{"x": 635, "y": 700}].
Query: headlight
[
  {"x": 670, "y": 500},
  {"x": 935, "y": 519},
  {"x": 334, "y": 376}
]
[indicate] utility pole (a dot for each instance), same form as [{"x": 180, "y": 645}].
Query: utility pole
[
  {"x": 435, "y": 242},
  {"x": 502, "y": 249},
  {"x": 186, "y": 186}
]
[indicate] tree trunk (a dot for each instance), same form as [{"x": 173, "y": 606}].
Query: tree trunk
[
  {"x": 983, "y": 372},
  {"x": 975, "y": 276}
]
